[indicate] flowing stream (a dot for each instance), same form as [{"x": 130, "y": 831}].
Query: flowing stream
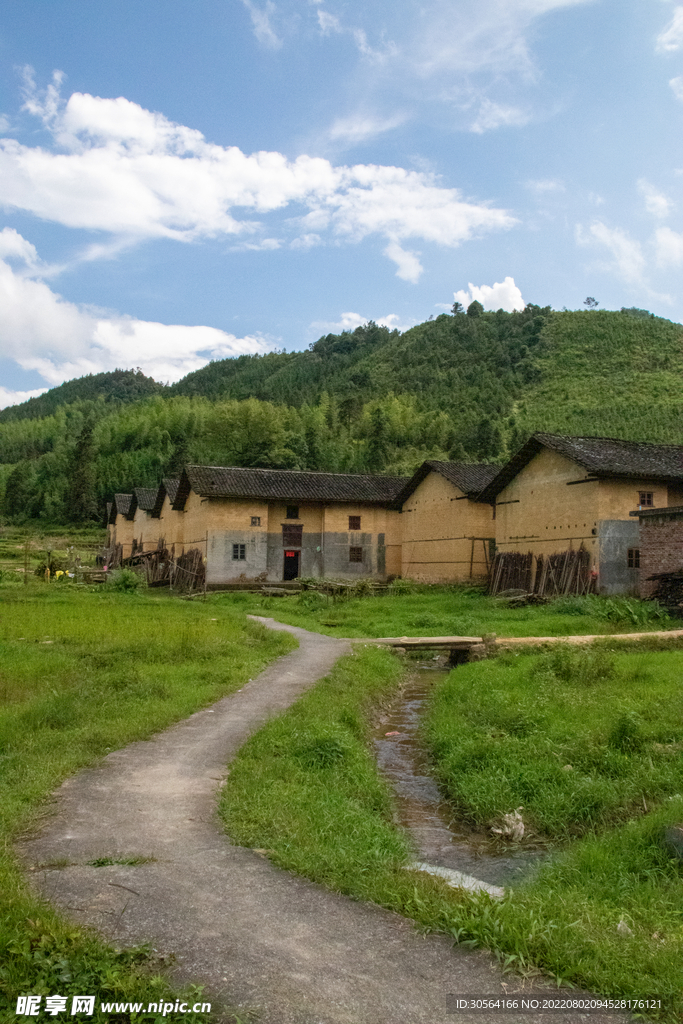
[{"x": 438, "y": 839}]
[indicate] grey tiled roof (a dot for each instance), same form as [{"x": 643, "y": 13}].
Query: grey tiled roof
[
  {"x": 171, "y": 486},
  {"x": 599, "y": 457},
  {"x": 286, "y": 485},
  {"x": 144, "y": 498},
  {"x": 469, "y": 478},
  {"x": 168, "y": 486},
  {"x": 120, "y": 506}
]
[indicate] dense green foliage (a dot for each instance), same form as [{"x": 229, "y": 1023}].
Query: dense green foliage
[
  {"x": 85, "y": 671},
  {"x": 462, "y": 387},
  {"x": 304, "y": 791}
]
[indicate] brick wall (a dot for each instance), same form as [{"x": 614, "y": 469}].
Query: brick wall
[{"x": 661, "y": 549}]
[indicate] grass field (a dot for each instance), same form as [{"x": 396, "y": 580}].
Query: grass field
[
  {"x": 306, "y": 790},
  {"x": 84, "y": 671},
  {"x": 413, "y": 610}
]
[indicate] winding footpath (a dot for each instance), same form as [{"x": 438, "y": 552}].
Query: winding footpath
[{"x": 255, "y": 936}]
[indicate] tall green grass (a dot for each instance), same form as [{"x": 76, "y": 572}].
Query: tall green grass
[
  {"x": 83, "y": 672},
  {"x": 408, "y": 609},
  {"x": 580, "y": 738}
]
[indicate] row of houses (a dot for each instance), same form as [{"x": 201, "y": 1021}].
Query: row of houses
[{"x": 558, "y": 496}]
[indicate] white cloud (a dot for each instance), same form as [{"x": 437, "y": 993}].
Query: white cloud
[
  {"x": 656, "y": 202},
  {"x": 349, "y": 322},
  {"x": 501, "y": 295},
  {"x": 43, "y": 332},
  {"x": 668, "y": 247},
  {"x": 627, "y": 254},
  {"x": 409, "y": 266},
  {"x": 670, "y": 38},
  {"x": 328, "y": 23},
  {"x": 260, "y": 20},
  {"x": 8, "y": 397},
  {"x": 677, "y": 87},
  {"x": 545, "y": 185},
  {"x": 360, "y": 127},
  {"x": 494, "y": 115},
  {"x": 135, "y": 174}
]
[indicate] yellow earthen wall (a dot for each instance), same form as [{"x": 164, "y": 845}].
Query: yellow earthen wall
[
  {"x": 170, "y": 525},
  {"x": 538, "y": 512},
  {"x": 145, "y": 530},
  {"x": 437, "y": 532},
  {"x": 619, "y": 497},
  {"x": 123, "y": 534}
]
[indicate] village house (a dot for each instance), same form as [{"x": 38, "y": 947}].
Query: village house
[
  {"x": 169, "y": 522},
  {"x": 447, "y": 536},
  {"x": 145, "y": 528},
  {"x": 559, "y": 493},
  {"x": 282, "y": 524},
  {"x": 119, "y": 526}
]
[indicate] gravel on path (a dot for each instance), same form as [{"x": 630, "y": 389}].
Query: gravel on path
[{"x": 255, "y": 936}]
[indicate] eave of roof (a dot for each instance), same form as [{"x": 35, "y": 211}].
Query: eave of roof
[
  {"x": 120, "y": 506},
  {"x": 672, "y": 511}
]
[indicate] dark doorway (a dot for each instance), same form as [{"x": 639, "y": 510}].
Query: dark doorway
[{"x": 291, "y": 565}]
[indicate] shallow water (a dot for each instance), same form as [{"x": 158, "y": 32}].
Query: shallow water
[{"x": 437, "y": 837}]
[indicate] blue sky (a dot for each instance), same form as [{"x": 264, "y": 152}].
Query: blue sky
[{"x": 187, "y": 180}]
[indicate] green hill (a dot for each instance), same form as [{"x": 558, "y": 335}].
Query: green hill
[
  {"x": 462, "y": 387},
  {"x": 117, "y": 385}
]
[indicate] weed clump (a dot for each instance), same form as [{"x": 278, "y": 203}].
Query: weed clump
[{"x": 125, "y": 581}]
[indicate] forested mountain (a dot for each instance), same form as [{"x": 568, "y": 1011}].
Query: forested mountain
[
  {"x": 115, "y": 386},
  {"x": 464, "y": 386}
]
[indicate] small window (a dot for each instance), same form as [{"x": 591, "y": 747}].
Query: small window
[
  {"x": 354, "y": 522},
  {"x": 645, "y": 499},
  {"x": 256, "y": 520},
  {"x": 292, "y": 512},
  {"x": 355, "y": 554},
  {"x": 239, "y": 552},
  {"x": 634, "y": 558}
]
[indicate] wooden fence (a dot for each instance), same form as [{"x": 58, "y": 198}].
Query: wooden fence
[{"x": 565, "y": 572}]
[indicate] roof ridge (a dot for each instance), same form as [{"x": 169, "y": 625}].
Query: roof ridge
[
  {"x": 600, "y": 437},
  {"x": 310, "y": 472}
]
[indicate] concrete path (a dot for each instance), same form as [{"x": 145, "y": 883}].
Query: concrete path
[{"x": 253, "y": 935}]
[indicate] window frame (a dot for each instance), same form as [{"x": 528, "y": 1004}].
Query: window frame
[
  {"x": 355, "y": 554},
  {"x": 354, "y": 523},
  {"x": 292, "y": 512},
  {"x": 256, "y": 520},
  {"x": 646, "y": 499},
  {"x": 239, "y": 552},
  {"x": 633, "y": 558}
]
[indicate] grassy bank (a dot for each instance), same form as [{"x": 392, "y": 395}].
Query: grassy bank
[
  {"x": 582, "y": 738},
  {"x": 305, "y": 789},
  {"x": 84, "y": 671},
  {"x": 407, "y": 609}
]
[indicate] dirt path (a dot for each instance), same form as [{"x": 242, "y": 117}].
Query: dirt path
[{"x": 254, "y": 935}]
